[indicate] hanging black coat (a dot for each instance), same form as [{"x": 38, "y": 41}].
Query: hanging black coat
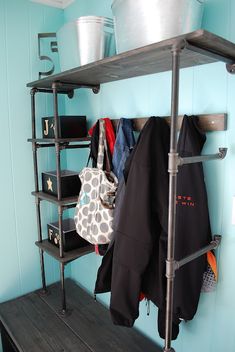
[
  {"x": 136, "y": 261},
  {"x": 141, "y": 234},
  {"x": 192, "y": 226}
]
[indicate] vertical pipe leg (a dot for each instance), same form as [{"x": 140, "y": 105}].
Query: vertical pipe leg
[
  {"x": 35, "y": 166},
  {"x": 38, "y": 211},
  {"x": 41, "y": 253},
  {"x": 58, "y": 170},
  {"x": 34, "y": 145},
  {"x": 55, "y": 103},
  {"x": 57, "y": 135},
  {"x": 63, "y": 288},
  {"x": 44, "y": 287},
  {"x": 60, "y": 213},
  {"x": 33, "y": 92},
  {"x": 173, "y": 169}
]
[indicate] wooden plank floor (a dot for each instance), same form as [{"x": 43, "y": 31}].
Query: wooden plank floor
[{"x": 34, "y": 324}]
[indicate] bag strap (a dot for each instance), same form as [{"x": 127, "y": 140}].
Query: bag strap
[
  {"x": 103, "y": 148},
  {"x": 88, "y": 159},
  {"x": 100, "y": 158}
]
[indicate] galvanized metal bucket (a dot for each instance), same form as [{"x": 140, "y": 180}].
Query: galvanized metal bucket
[
  {"x": 87, "y": 39},
  {"x": 142, "y": 22}
]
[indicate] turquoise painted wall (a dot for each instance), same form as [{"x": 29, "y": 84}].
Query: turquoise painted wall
[
  {"x": 205, "y": 89},
  {"x": 20, "y": 22}
]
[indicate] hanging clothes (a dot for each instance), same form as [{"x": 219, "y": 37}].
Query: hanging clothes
[
  {"x": 135, "y": 262},
  {"x": 142, "y": 227},
  {"x": 141, "y": 235},
  {"x": 122, "y": 156},
  {"x": 123, "y": 146},
  {"x": 110, "y": 137}
]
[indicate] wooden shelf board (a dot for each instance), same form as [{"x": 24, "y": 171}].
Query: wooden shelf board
[
  {"x": 53, "y": 199},
  {"x": 69, "y": 256},
  {"x": 59, "y": 140},
  {"x": 153, "y": 58}
]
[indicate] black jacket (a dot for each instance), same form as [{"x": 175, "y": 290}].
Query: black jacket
[{"x": 136, "y": 261}]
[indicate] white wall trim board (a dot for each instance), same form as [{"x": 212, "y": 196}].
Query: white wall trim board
[{"x": 61, "y": 4}]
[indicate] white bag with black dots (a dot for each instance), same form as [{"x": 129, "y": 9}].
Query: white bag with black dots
[{"x": 94, "y": 210}]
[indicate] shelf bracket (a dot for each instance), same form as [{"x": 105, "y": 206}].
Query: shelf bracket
[
  {"x": 210, "y": 53},
  {"x": 173, "y": 265},
  {"x": 213, "y": 245},
  {"x": 69, "y": 87},
  {"x": 197, "y": 159},
  {"x": 230, "y": 68}
]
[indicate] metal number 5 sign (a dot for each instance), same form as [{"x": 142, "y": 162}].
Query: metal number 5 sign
[{"x": 53, "y": 48}]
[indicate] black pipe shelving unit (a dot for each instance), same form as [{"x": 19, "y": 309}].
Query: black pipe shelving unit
[
  {"x": 59, "y": 144},
  {"x": 193, "y": 49}
]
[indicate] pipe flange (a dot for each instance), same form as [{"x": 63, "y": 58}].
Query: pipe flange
[
  {"x": 96, "y": 89},
  {"x": 230, "y": 68},
  {"x": 70, "y": 94}
]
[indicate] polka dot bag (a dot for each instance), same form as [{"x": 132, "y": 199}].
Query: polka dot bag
[{"x": 94, "y": 210}]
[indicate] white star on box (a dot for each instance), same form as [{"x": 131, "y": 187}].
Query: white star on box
[{"x": 49, "y": 185}]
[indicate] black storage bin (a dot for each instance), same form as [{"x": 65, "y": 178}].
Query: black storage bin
[
  {"x": 70, "y": 183},
  {"x": 69, "y": 127},
  {"x": 71, "y": 239}
]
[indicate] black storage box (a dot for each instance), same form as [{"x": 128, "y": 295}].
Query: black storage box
[
  {"x": 70, "y": 183},
  {"x": 70, "y": 127},
  {"x": 71, "y": 239}
]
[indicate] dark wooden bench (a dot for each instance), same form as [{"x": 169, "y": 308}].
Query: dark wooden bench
[{"x": 32, "y": 323}]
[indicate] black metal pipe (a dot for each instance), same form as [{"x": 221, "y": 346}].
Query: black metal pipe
[
  {"x": 60, "y": 91},
  {"x": 197, "y": 159},
  {"x": 35, "y": 166},
  {"x": 62, "y": 147},
  {"x": 70, "y": 85},
  {"x": 209, "y": 53},
  {"x": 75, "y": 146},
  {"x": 173, "y": 169},
  {"x": 58, "y": 170},
  {"x": 38, "y": 215},
  {"x": 55, "y": 103},
  {"x": 213, "y": 245},
  {"x": 33, "y": 92},
  {"x": 61, "y": 244},
  {"x": 41, "y": 253},
  {"x": 34, "y": 144},
  {"x": 43, "y": 276},
  {"x": 63, "y": 288},
  {"x": 48, "y": 145},
  {"x": 68, "y": 88},
  {"x": 57, "y": 135},
  {"x": 69, "y": 206}
]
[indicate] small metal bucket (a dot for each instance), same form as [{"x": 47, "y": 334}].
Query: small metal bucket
[
  {"x": 87, "y": 39},
  {"x": 139, "y": 23}
]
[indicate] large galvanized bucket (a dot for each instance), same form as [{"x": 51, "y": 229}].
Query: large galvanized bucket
[
  {"x": 87, "y": 39},
  {"x": 142, "y": 22}
]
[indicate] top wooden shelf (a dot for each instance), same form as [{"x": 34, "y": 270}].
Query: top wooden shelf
[{"x": 201, "y": 47}]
